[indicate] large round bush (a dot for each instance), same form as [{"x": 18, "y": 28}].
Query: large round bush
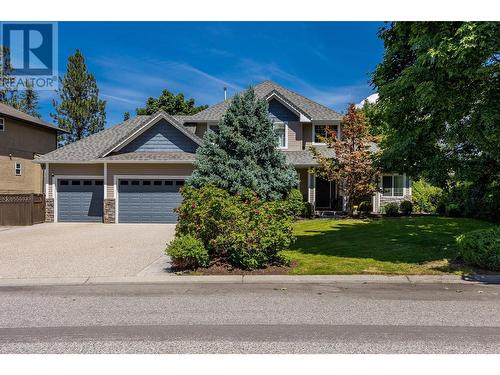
[
  {"x": 481, "y": 248},
  {"x": 241, "y": 229},
  {"x": 187, "y": 252},
  {"x": 391, "y": 209},
  {"x": 406, "y": 207}
]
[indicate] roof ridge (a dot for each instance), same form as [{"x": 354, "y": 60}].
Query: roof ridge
[{"x": 302, "y": 96}]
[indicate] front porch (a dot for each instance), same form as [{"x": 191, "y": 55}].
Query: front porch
[{"x": 324, "y": 196}]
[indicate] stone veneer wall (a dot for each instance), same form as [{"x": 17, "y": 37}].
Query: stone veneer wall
[
  {"x": 49, "y": 210},
  {"x": 398, "y": 200},
  {"x": 109, "y": 211}
]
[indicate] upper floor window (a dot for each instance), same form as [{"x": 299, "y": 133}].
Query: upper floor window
[
  {"x": 2, "y": 124},
  {"x": 213, "y": 127},
  {"x": 17, "y": 169},
  {"x": 280, "y": 130},
  {"x": 393, "y": 185},
  {"x": 321, "y": 131}
]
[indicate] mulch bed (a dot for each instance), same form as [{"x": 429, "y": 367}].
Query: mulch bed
[{"x": 218, "y": 267}]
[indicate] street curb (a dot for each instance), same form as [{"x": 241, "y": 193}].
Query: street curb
[{"x": 253, "y": 279}]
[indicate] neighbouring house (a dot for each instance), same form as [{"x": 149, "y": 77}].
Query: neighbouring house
[
  {"x": 132, "y": 172},
  {"x": 22, "y": 139}
]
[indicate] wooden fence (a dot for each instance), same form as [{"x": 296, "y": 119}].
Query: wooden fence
[{"x": 22, "y": 209}]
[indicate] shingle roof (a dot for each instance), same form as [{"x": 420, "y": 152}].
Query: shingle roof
[
  {"x": 9, "y": 111},
  {"x": 305, "y": 157},
  {"x": 94, "y": 146},
  {"x": 310, "y": 108},
  {"x": 153, "y": 156}
]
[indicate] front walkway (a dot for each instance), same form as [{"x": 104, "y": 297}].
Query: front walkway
[{"x": 83, "y": 250}]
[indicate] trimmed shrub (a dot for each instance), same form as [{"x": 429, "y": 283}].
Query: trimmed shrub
[
  {"x": 406, "y": 207},
  {"x": 391, "y": 209},
  {"x": 425, "y": 196},
  {"x": 453, "y": 210},
  {"x": 365, "y": 206},
  {"x": 187, "y": 252},
  {"x": 481, "y": 248},
  {"x": 242, "y": 229},
  {"x": 295, "y": 202},
  {"x": 307, "y": 210}
]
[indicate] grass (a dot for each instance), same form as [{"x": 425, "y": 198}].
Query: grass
[{"x": 416, "y": 246}]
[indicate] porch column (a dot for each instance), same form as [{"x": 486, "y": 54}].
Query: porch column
[{"x": 311, "y": 188}]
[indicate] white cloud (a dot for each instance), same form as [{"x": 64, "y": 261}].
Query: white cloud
[{"x": 371, "y": 99}]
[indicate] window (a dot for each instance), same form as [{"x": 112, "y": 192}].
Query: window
[
  {"x": 63, "y": 182},
  {"x": 18, "y": 169},
  {"x": 99, "y": 182},
  {"x": 135, "y": 182},
  {"x": 87, "y": 182},
  {"x": 167, "y": 183},
  {"x": 393, "y": 186},
  {"x": 75, "y": 182},
  {"x": 2, "y": 125},
  {"x": 123, "y": 182},
  {"x": 280, "y": 130},
  {"x": 214, "y": 128},
  {"x": 179, "y": 183},
  {"x": 157, "y": 182},
  {"x": 320, "y": 131},
  {"x": 146, "y": 182}
]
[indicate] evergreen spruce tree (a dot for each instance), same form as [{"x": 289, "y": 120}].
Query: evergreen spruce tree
[
  {"x": 28, "y": 101},
  {"x": 8, "y": 94},
  {"x": 126, "y": 116},
  {"x": 244, "y": 154},
  {"x": 80, "y": 111}
]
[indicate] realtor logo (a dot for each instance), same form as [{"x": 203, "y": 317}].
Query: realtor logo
[{"x": 29, "y": 55}]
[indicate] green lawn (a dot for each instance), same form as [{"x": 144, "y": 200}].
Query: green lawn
[{"x": 421, "y": 245}]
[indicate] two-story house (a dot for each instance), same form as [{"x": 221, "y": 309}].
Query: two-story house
[
  {"x": 132, "y": 172},
  {"x": 22, "y": 138}
]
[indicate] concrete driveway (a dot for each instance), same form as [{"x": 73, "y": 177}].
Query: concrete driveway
[{"x": 83, "y": 250}]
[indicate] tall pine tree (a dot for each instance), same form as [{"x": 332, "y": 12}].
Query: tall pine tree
[
  {"x": 28, "y": 101},
  {"x": 244, "y": 154},
  {"x": 80, "y": 111}
]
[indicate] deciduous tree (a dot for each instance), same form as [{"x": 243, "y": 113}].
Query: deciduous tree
[
  {"x": 353, "y": 166},
  {"x": 171, "y": 104}
]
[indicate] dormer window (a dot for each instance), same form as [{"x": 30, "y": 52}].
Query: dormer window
[
  {"x": 320, "y": 131},
  {"x": 2, "y": 124},
  {"x": 280, "y": 130}
]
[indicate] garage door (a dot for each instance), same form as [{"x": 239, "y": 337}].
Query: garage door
[
  {"x": 148, "y": 201},
  {"x": 80, "y": 200}
]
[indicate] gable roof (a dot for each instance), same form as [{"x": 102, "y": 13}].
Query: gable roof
[
  {"x": 9, "y": 111},
  {"x": 97, "y": 146},
  {"x": 266, "y": 89}
]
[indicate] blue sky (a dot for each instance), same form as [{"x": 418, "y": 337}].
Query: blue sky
[{"x": 329, "y": 62}]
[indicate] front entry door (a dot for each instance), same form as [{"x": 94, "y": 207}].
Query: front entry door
[{"x": 324, "y": 193}]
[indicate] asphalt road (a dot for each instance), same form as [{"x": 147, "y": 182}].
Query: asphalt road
[{"x": 251, "y": 318}]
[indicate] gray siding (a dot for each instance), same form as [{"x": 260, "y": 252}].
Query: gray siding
[
  {"x": 161, "y": 137},
  {"x": 278, "y": 112}
]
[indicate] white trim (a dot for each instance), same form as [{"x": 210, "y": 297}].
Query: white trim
[
  {"x": 46, "y": 180},
  {"x": 117, "y": 161},
  {"x": 2, "y": 123},
  {"x": 313, "y": 132},
  {"x": 68, "y": 177},
  {"x": 302, "y": 117},
  {"x": 405, "y": 193},
  {"x": 285, "y": 124},
  {"x": 149, "y": 124},
  {"x": 18, "y": 163},
  {"x": 105, "y": 182},
  {"x": 118, "y": 177}
]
